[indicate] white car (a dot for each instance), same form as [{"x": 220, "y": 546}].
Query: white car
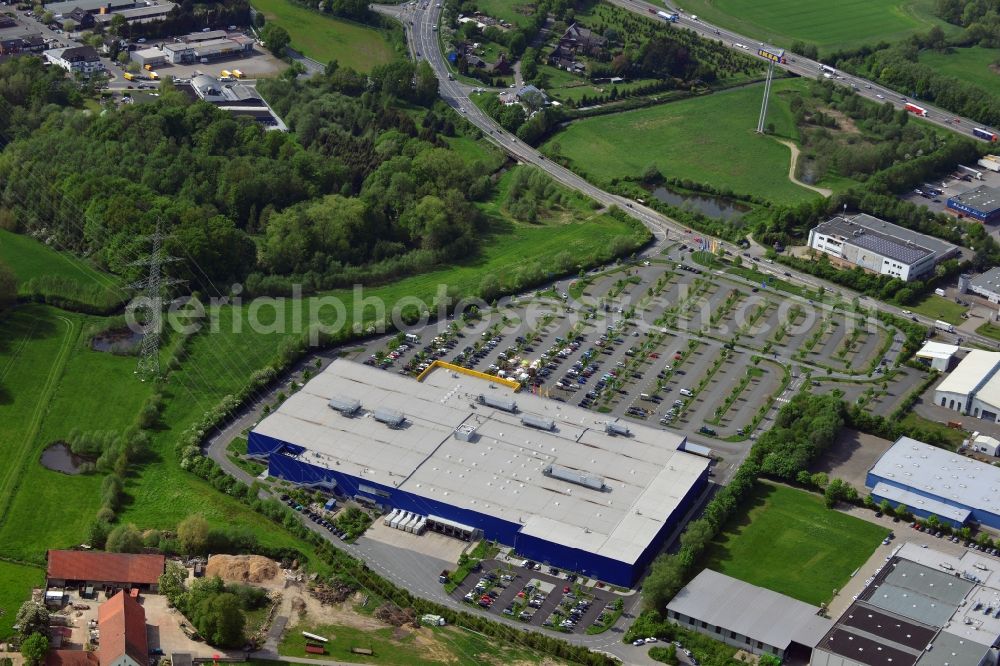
[
  {"x": 880, "y": 96},
  {"x": 651, "y": 640},
  {"x": 906, "y": 312},
  {"x": 637, "y": 642}
]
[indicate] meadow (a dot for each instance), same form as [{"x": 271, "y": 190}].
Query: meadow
[
  {"x": 973, "y": 65},
  {"x": 16, "y": 581},
  {"x": 936, "y": 307},
  {"x": 708, "y": 139},
  {"x": 325, "y": 38},
  {"x": 41, "y": 270},
  {"x": 783, "y": 526},
  {"x": 830, "y": 26},
  {"x": 423, "y": 647}
]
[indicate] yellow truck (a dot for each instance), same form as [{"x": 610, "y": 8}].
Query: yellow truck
[
  {"x": 153, "y": 76},
  {"x": 238, "y": 74},
  {"x": 148, "y": 68},
  {"x": 129, "y": 76}
]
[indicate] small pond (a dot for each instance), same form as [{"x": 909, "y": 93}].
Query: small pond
[
  {"x": 59, "y": 458},
  {"x": 707, "y": 205}
]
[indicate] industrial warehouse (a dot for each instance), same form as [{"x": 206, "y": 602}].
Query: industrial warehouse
[
  {"x": 981, "y": 204},
  {"x": 933, "y": 481},
  {"x": 879, "y": 246},
  {"x": 923, "y": 608},
  {"x": 470, "y": 457}
]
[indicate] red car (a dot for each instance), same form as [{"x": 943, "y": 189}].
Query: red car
[{"x": 566, "y": 590}]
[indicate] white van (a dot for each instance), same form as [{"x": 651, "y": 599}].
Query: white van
[{"x": 686, "y": 392}]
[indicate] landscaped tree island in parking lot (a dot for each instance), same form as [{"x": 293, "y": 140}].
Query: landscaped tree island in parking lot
[{"x": 464, "y": 332}]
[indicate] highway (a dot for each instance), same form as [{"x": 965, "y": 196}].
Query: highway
[
  {"x": 420, "y": 22},
  {"x": 806, "y": 67}
]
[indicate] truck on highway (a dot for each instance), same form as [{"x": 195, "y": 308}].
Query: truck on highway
[
  {"x": 672, "y": 18},
  {"x": 826, "y": 69},
  {"x": 984, "y": 134},
  {"x": 915, "y": 110},
  {"x": 944, "y": 326}
]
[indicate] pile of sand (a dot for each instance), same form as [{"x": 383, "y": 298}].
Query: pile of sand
[{"x": 242, "y": 568}]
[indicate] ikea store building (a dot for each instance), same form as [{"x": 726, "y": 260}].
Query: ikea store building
[{"x": 468, "y": 457}]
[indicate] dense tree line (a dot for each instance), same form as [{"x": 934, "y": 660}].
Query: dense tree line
[
  {"x": 804, "y": 428},
  {"x": 364, "y": 180},
  {"x": 215, "y": 609},
  {"x": 190, "y": 16},
  {"x": 897, "y": 66}
]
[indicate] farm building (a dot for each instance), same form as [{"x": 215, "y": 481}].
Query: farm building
[
  {"x": 879, "y": 247},
  {"x": 470, "y": 457},
  {"x": 973, "y": 387},
  {"x": 99, "y": 569},
  {"x": 934, "y": 481},
  {"x": 122, "y": 623},
  {"x": 922, "y": 608},
  {"x": 751, "y": 618},
  {"x": 981, "y": 204}
]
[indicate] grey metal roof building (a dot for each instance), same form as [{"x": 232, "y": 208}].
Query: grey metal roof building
[
  {"x": 90, "y": 6},
  {"x": 746, "y": 616},
  {"x": 986, "y": 285},
  {"x": 923, "y": 608},
  {"x": 571, "y": 496},
  {"x": 982, "y": 204},
  {"x": 879, "y": 246}
]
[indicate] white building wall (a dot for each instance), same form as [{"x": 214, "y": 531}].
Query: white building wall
[
  {"x": 948, "y": 400},
  {"x": 725, "y": 635}
]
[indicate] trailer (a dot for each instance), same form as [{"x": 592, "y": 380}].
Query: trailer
[
  {"x": 991, "y": 162},
  {"x": 984, "y": 134},
  {"x": 399, "y": 519},
  {"x": 915, "y": 110},
  {"x": 671, "y": 18},
  {"x": 388, "y": 519},
  {"x": 944, "y": 326},
  {"x": 978, "y": 175},
  {"x": 826, "y": 69}
]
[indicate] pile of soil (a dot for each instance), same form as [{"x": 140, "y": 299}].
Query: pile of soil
[{"x": 242, "y": 568}]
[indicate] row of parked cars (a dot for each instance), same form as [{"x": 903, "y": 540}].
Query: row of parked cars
[{"x": 315, "y": 517}]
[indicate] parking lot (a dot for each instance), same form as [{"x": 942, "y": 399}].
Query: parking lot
[
  {"x": 935, "y": 194},
  {"x": 539, "y": 596},
  {"x": 669, "y": 343}
]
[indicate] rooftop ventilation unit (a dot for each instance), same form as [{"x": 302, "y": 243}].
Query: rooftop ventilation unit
[
  {"x": 346, "y": 406},
  {"x": 505, "y": 404},
  {"x": 539, "y": 422},
  {"x": 574, "y": 476},
  {"x": 616, "y": 429},
  {"x": 466, "y": 433},
  {"x": 390, "y": 417}
]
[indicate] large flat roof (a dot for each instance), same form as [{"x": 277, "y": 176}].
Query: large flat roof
[
  {"x": 885, "y": 238},
  {"x": 941, "y": 473},
  {"x": 938, "y": 350},
  {"x": 501, "y": 472},
  {"x": 757, "y": 612},
  {"x": 920, "y": 502},
  {"x": 989, "y": 281},
  {"x": 58, "y": 8},
  {"x": 985, "y": 199}
]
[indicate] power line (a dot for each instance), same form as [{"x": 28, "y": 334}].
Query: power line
[{"x": 150, "y": 301}]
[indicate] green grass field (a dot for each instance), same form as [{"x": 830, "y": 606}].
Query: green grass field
[
  {"x": 30, "y": 260},
  {"x": 325, "y": 38},
  {"x": 829, "y": 25},
  {"x": 791, "y": 543},
  {"x": 425, "y": 647},
  {"x": 709, "y": 139},
  {"x": 940, "y": 308},
  {"x": 16, "y": 582},
  {"x": 515, "y": 11},
  {"x": 973, "y": 65}
]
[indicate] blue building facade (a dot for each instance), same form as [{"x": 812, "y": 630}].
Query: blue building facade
[
  {"x": 283, "y": 463},
  {"x": 979, "y": 515},
  {"x": 987, "y": 214}
]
